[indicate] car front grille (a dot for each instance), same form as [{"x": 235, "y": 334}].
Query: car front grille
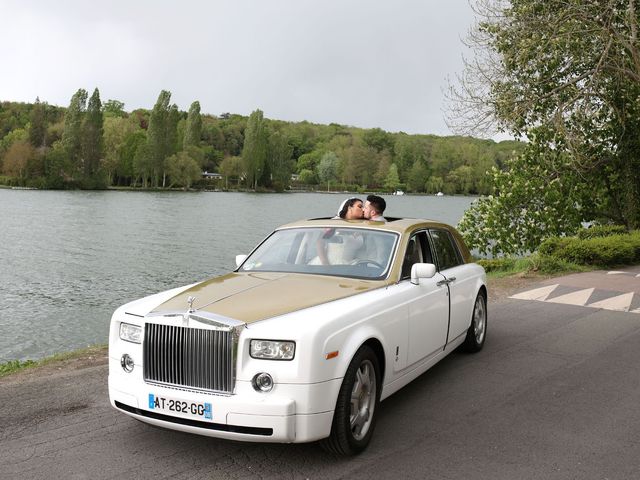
[{"x": 191, "y": 358}]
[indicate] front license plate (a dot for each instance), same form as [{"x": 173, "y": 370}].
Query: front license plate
[{"x": 184, "y": 408}]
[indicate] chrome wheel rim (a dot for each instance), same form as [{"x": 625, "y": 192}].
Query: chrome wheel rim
[
  {"x": 479, "y": 320},
  {"x": 363, "y": 400}
]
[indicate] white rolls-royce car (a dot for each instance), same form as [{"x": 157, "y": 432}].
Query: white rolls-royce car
[{"x": 322, "y": 321}]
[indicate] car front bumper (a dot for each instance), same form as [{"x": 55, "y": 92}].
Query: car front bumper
[{"x": 290, "y": 413}]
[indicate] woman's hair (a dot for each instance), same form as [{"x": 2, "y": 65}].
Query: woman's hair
[{"x": 345, "y": 206}]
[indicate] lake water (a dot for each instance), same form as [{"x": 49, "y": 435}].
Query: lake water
[{"x": 68, "y": 259}]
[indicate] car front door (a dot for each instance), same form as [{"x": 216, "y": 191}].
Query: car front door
[{"x": 428, "y": 303}]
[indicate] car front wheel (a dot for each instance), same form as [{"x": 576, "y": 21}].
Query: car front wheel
[{"x": 355, "y": 415}]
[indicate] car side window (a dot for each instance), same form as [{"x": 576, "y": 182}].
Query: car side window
[
  {"x": 418, "y": 251},
  {"x": 446, "y": 249}
]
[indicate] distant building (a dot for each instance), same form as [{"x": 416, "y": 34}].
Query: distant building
[{"x": 211, "y": 176}]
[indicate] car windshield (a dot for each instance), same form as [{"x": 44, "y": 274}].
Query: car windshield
[{"x": 343, "y": 252}]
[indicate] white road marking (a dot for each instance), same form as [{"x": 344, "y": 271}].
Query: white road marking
[
  {"x": 621, "y": 303},
  {"x": 540, "y": 294},
  {"x": 576, "y": 298}
]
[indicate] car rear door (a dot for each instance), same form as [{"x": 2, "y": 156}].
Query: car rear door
[{"x": 461, "y": 288}]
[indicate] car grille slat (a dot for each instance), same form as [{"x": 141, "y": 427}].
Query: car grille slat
[{"x": 189, "y": 357}]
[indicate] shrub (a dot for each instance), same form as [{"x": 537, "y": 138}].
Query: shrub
[
  {"x": 497, "y": 264},
  {"x": 601, "y": 251},
  {"x": 546, "y": 264},
  {"x": 602, "y": 231},
  {"x": 551, "y": 245}
]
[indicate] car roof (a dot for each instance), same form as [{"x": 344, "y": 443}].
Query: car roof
[{"x": 393, "y": 224}]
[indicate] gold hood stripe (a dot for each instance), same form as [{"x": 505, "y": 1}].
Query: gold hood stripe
[{"x": 250, "y": 297}]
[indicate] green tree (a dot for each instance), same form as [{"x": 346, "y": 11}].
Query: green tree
[
  {"x": 133, "y": 142},
  {"x": 143, "y": 164},
  {"x": 72, "y": 135},
  {"x": 392, "y": 181},
  {"x": 57, "y": 164},
  {"x": 183, "y": 170},
  {"x": 17, "y": 159},
  {"x": 116, "y": 132},
  {"x": 378, "y": 139},
  {"x": 546, "y": 202},
  {"x": 308, "y": 177},
  {"x": 162, "y": 135},
  {"x": 417, "y": 178},
  {"x": 193, "y": 127},
  {"x": 566, "y": 76},
  {"x": 232, "y": 168},
  {"x": 254, "y": 153},
  {"x": 434, "y": 184},
  {"x": 328, "y": 168},
  {"x": 408, "y": 149},
  {"x": 92, "y": 137},
  {"x": 17, "y": 135},
  {"x": 362, "y": 164},
  {"x": 309, "y": 160},
  {"x": 460, "y": 180},
  {"x": 279, "y": 160},
  {"x": 38, "y": 124},
  {"x": 113, "y": 108}
]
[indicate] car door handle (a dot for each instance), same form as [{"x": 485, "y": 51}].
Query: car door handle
[
  {"x": 452, "y": 279},
  {"x": 446, "y": 281}
]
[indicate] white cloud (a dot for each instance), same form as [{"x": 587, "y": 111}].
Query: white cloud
[{"x": 369, "y": 64}]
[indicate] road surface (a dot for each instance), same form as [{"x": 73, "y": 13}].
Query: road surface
[{"x": 555, "y": 394}]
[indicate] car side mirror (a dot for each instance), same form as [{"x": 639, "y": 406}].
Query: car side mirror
[
  {"x": 422, "y": 270},
  {"x": 240, "y": 260}
]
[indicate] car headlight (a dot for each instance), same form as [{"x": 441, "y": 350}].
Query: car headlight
[
  {"x": 272, "y": 349},
  {"x": 130, "y": 333}
]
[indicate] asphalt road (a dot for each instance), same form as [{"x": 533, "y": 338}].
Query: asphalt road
[{"x": 554, "y": 395}]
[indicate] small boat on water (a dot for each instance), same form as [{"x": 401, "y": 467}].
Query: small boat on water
[
  {"x": 439, "y": 194},
  {"x": 398, "y": 192}
]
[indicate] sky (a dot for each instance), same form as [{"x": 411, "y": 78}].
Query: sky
[{"x": 364, "y": 63}]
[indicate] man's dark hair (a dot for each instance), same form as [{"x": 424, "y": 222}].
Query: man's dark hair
[{"x": 377, "y": 202}]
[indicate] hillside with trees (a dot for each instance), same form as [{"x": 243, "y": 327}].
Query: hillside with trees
[{"x": 93, "y": 145}]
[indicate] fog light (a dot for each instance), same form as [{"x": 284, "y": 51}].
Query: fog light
[
  {"x": 262, "y": 382},
  {"x": 127, "y": 363}
]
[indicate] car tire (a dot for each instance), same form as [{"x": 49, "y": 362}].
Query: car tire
[
  {"x": 357, "y": 405},
  {"x": 477, "y": 332}
]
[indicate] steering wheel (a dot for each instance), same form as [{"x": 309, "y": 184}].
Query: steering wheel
[{"x": 368, "y": 262}]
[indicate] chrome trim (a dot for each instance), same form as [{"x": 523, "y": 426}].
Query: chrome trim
[
  {"x": 191, "y": 357},
  {"x": 212, "y": 319}
]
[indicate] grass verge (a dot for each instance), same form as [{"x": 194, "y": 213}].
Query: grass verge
[
  {"x": 534, "y": 264},
  {"x": 84, "y": 355}
]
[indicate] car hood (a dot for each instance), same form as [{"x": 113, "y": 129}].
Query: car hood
[{"x": 250, "y": 297}]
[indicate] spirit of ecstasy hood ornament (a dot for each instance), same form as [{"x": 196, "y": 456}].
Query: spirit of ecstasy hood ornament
[
  {"x": 190, "y": 301},
  {"x": 190, "y": 310}
]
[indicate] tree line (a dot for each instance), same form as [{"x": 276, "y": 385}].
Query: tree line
[{"x": 91, "y": 144}]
